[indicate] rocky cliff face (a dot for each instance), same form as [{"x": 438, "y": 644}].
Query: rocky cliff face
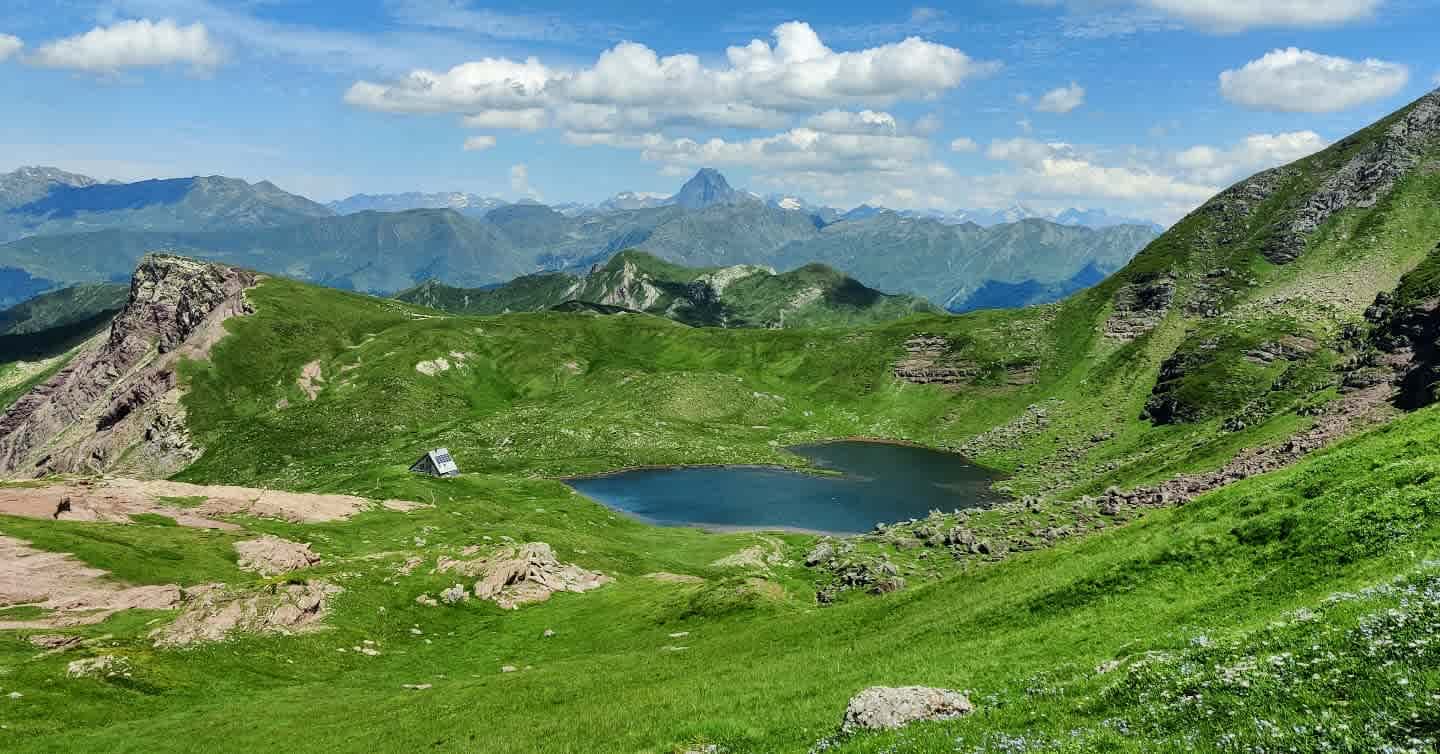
[
  {"x": 1364, "y": 180},
  {"x": 116, "y": 406}
]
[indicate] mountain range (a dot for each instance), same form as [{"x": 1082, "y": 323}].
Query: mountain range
[
  {"x": 65, "y": 230},
  {"x": 739, "y": 296},
  {"x": 709, "y": 180}
]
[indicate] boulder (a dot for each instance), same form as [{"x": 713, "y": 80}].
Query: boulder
[{"x": 888, "y": 708}]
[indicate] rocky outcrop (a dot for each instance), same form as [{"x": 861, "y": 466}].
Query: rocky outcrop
[
  {"x": 1363, "y": 181},
  {"x": 1402, "y": 350},
  {"x": 1140, "y": 306},
  {"x": 884, "y": 708},
  {"x": 929, "y": 360},
  {"x": 523, "y": 574},
  {"x": 273, "y": 556},
  {"x": 216, "y": 612},
  {"x": 118, "y": 401}
]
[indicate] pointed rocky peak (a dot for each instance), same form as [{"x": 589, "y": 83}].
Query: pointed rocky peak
[{"x": 706, "y": 189}]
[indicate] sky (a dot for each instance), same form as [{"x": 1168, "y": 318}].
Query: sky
[{"x": 1139, "y": 107}]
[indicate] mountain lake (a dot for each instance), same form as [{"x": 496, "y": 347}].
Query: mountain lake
[{"x": 871, "y": 483}]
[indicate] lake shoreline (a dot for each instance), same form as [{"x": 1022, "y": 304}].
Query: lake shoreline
[{"x": 809, "y": 468}]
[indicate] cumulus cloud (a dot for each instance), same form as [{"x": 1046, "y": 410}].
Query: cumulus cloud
[
  {"x": 479, "y": 143},
  {"x": 630, "y": 85},
  {"x": 131, "y": 44},
  {"x": 1301, "y": 81},
  {"x": 1060, "y": 170},
  {"x": 1254, "y": 153},
  {"x": 9, "y": 45},
  {"x": 488, "y": 84},
  {"x": 1062, "y": 100},
  {"x": 964, "y": 144},
  {"x": 799, "y": 149},
  {"x": 532, "y": 119},
  {"x": 863, "y": 122}
]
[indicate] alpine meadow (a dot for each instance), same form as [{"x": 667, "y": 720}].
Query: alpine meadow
[{"x": 1138, "y": 453}]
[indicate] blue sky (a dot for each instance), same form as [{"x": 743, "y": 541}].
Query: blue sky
[{"x": 1143, "y": 107}]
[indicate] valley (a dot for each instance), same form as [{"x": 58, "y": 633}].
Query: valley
[{"x": 714, "y": 494}]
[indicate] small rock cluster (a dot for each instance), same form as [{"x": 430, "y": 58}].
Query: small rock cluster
[
  {"x": 518, "y": 575},
  {"x": 214, "y": 612}
]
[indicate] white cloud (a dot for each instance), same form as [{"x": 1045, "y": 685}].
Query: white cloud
[
  {"x": 863, "y": 122},
  {"x": 761, "y": 85},
  {"x": 520, "y": 181},
  {"x": 1239, "y": 15},
  {"x": 1436, "y": 80},
  {"x": 9, "y": 45},
  {"x": 488, "y": 84},
  {"x": 128, "y": 44},
  {"x": 532, "y": 119},
  {"x": 1301, "y": 81},
  {"x": 799, "y": 149},
  {"x": 964, "y": 144},
  {"x": 479, "y": 143},
  {"x": 1253, "y": 154},
  {"x": 1060, "y": 170},
  {"x": 1062, "y": 100}
]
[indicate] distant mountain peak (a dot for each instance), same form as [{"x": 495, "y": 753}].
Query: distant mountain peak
[{"x": 706, "y": 189}]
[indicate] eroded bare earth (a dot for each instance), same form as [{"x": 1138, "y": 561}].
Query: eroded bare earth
[
  {"x": 116, "y": 500},
  {"x": 74, "y": 593}
]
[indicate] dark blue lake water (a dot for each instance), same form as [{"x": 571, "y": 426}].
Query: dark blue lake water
[{"x": 877, "y": 482}]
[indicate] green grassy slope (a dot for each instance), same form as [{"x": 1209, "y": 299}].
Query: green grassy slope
[
  {"x": 1201, "y": 585},
  {"x": 1295, "y": 610},
  {"x": 63, "y": 307}
]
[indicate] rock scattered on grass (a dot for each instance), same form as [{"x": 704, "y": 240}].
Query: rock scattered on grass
[
  {"x": 215, "y": 612},
  {"x": 104, "y": 665},
  {"x": 55, "y": 642},
  {"x": 888, "y": 708}
]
